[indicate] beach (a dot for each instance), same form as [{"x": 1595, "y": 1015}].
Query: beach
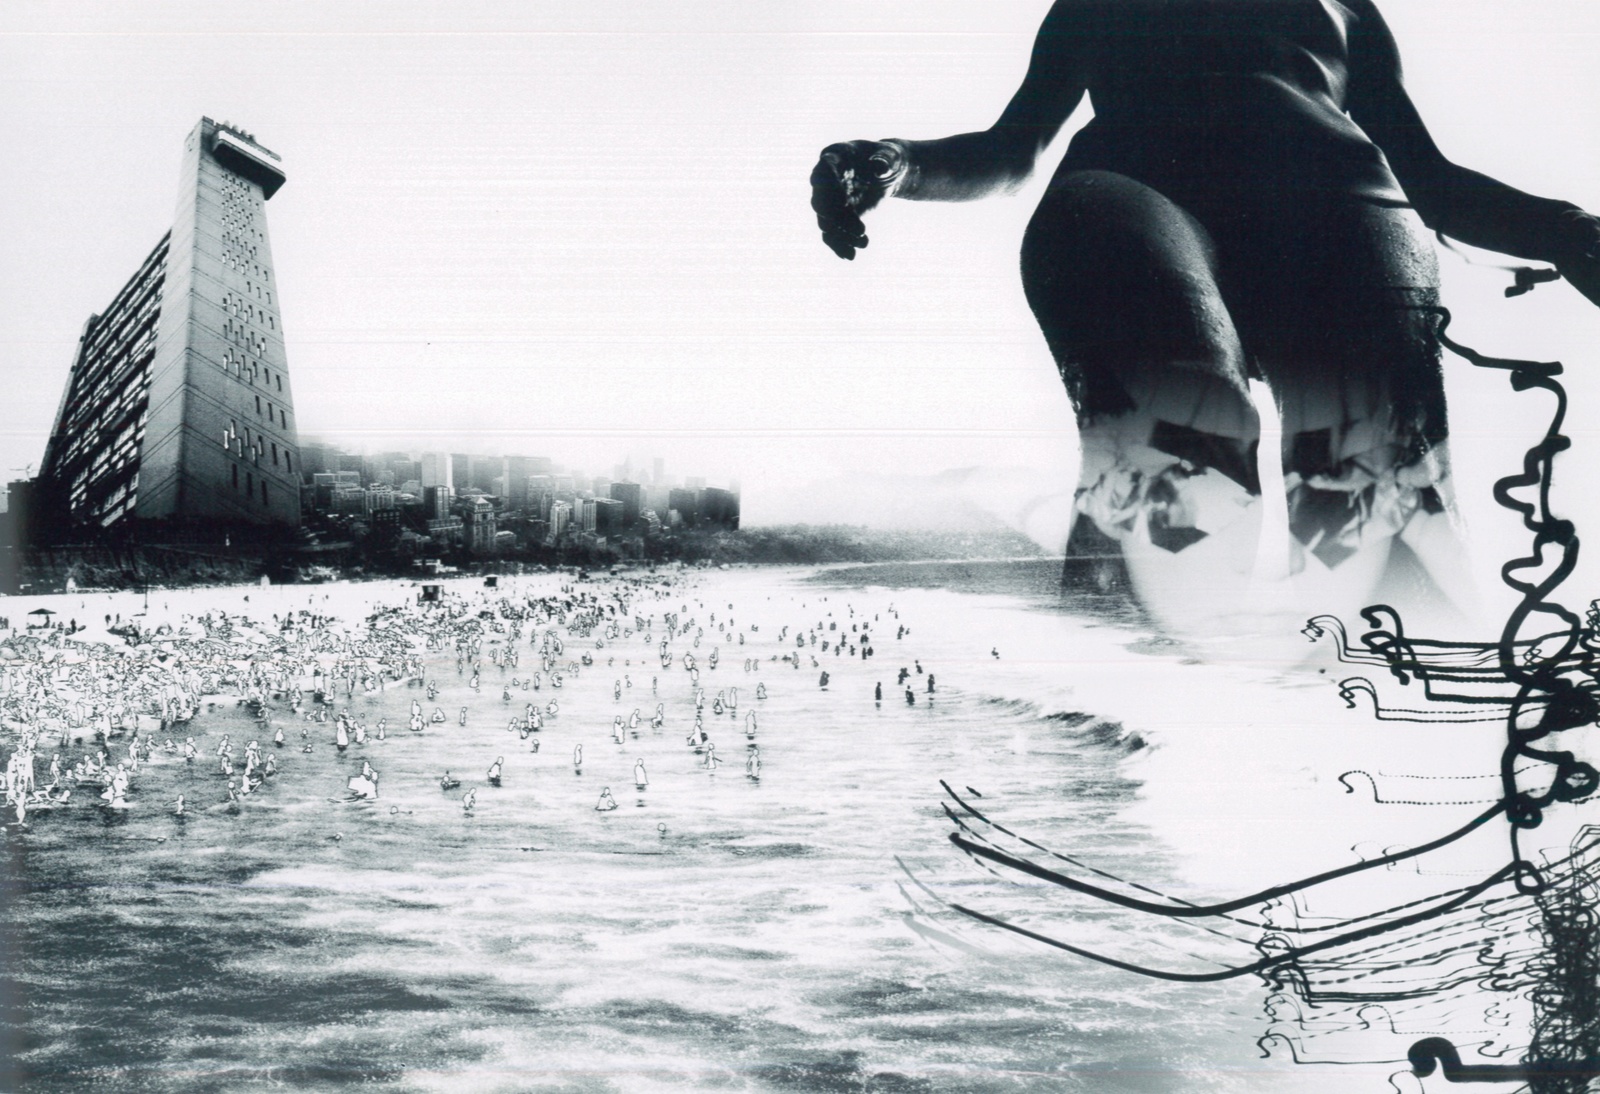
[{"x": 786, "y": 925}]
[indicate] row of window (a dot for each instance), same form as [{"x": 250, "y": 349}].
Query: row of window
[
  {"x": 239, "y": 334},
  {"x": 273, "y": 414},
  {"x": 237, "y": 306},
  {"x": 237, "y": 363},
  {"x": 249, "y": 484},
  {"x": 236, "y": 240},
  {"x": 256, "y": 445},
  {"x": 237, "y": 260}
]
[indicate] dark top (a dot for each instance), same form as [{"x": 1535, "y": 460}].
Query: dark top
[{"x": 1216, "y": 97}]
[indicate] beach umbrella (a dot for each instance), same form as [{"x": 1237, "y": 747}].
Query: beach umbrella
[{"x": 41, "y": 611}]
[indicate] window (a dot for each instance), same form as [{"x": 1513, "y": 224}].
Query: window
[
  {"x": 258, "y": 405},
  {"x": 263, "y": 491},
  {"x": 287, "y": 466},
  {"x": 280, "y": 381},
  {"x": 274, "y": 453},
  {"x": 249, "y": 484},
  {"x": 235, "y": 468}
]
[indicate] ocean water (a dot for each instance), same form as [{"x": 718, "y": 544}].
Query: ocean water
[{"x": 715, "y": 932}]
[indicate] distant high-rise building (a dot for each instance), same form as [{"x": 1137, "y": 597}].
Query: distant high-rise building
[
  {"x": 608, "y": 520},
  {"x": 460, "y": 471},
  {"x": 436, "y": 502},
  {"x": 316, "y": 457},
  {"x": 486, "y": 470},
  {"x": 178, "y": 407},
  {"x": 478, "y": 526},
  {"x": 541, "y": 492},
  {"x": 720, "y": 507},
  {"x": 436, "y": 470},
  {"x": 631, "y": 495},
  {"x": 686, "y": 503},
  {"x": 560, "y": 521}
]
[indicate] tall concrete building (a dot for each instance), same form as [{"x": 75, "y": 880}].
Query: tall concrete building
[{"x": 178, "y": 409}]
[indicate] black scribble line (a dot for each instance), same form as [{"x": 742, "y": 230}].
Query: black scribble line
[{"x": 1539, "y": 943}]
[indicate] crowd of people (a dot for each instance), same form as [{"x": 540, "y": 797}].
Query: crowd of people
[{"x": 87, "y": 715}]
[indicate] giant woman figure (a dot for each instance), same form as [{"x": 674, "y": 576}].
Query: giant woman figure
[{"x": 1250, "y": 201}]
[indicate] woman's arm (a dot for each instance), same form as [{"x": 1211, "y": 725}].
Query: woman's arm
[
  {"x": 852, "y": 177},
  {"x": 1451, "y": 199}
]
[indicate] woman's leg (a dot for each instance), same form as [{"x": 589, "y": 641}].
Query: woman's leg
[
  {"x": 1124, "y": 285},
  {"x": 1340, "y": 320}
]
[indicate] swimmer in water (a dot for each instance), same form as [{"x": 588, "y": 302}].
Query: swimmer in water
[
  {"x": 640, "y": 779},
  {"x": 469, "y": 801},
  {"x": 711, "y": 761},
  {"x": 577, "y": 759},
  {"x": 752, "y": 764},
  {"x": 448, "y": 781},
  {"x": 494, "y": 770},
  {"x": 606, "y": 802}
]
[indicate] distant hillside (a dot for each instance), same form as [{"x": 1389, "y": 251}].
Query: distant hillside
[
  {"x": 1035, "y": 501},
  {"x": 806, "y": 544}
]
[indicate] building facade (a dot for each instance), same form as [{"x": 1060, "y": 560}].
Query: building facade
[{"x": 179, "y": 408}]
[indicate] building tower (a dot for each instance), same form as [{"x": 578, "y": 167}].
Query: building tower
[{"x": 178, "y": 409}]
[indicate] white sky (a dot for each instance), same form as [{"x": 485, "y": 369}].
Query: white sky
[{"x": 579, "y": 228}]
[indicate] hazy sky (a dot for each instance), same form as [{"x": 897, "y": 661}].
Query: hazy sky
[{"x": 580, "y": 228}]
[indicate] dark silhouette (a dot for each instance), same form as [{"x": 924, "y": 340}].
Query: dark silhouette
[{"x": 1249, "y": 202}]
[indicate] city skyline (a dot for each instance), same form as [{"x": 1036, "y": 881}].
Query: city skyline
[{"x": 405, "y": 509}]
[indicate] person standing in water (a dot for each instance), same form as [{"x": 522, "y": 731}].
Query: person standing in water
[{"x": 1249, "y": 202}]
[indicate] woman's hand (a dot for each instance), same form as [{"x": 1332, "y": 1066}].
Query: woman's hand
[{"x": 848, "y": 180}]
